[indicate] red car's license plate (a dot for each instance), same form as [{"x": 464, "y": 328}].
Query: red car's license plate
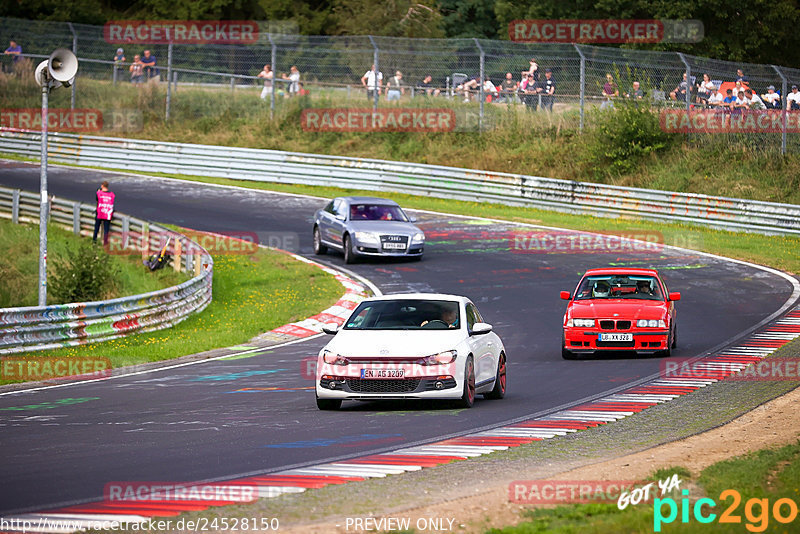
[{"x": 615, "y": 337}]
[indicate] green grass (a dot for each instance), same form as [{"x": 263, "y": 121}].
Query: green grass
[
  {"x": 538, "y": 144},
  {"x": 19, "y": 266},
  {"x": 252, "y": 294},
  {"x": 770, "y": 474}
]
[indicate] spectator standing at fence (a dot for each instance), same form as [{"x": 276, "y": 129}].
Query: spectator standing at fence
[
  {"x": 268, "y": 77},
  {"x": 15, "y": 51},
  {"x": 104, "y": 212},
  {"x": 529, "y": 89},
  {"x": 394, "y": 87},
  {"x": 372, "y": 80},
  {"x": 534, "y": 69},
  {"x": 679, "y": 93},
  {"x": 294, "y": 80},
  {"x": 119, "y": 59},
  {"x": 740, "y": 77},
  {"x": 610, "y": 92},
  {"x": 137, "y": 70},
  {"x": 426, "y": 86},
  {"x": 490, "y": 90},
  {"x": 771, "y": 99},
  {"x": 636, "y": 92},
  {"x": 508, "y": 88},
  {"x": 793, "y": 99},
  {"x": 150, "y": 69},
  {"x": 549, "y": 90},
  {"x": 716, "y": 100}
]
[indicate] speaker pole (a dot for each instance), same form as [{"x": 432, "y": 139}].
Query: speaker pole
[{"x": 43, "y": 207}]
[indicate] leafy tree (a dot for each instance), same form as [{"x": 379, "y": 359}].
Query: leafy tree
[{"x": 397, "y": 18}]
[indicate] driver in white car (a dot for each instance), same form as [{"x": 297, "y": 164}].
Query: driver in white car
[{"x": 449, "y": 316}]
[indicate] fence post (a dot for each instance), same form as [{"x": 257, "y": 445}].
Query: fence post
[
  {"x": 169, "y": 78},
  {"x": 175, "y": 80},
  {"x": 377, "y": 85},
  {"x": 76, "y": 218},
  {"x": 126, "y": 229},
  {"x": 74, "y": 51},
  {"x": 688, "y": 93},
  {"x": 480, "y": 84},
  {"x": 583, "y": 83},
  {"x": 145, "y": 241},
  {"x": 784, "y": 94},
  {"x": 15, "y": 206},
  {"x": 273, "y": 60},
  {"x": 176, "y": 262}
]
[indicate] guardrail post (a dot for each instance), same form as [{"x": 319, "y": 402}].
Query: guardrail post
[
  {"x": 76, "y": 218},
  {"x": 15, "y": 206},
  {"x": 377, "y": 85},
  {"x": 126, "y": 228},
  {"x": 688, "y": 93},
  {"x": 145, "y": 241},
  {"x": 583, "y": 83},
  {"x": 480, "y": 84},
  {"x": 784, "y": 94},
  {"x": 273, "y": 61},
  {"x": 176, "y": 262},
  {"x": 175, "y": 80},
  {"x": 169, "y": 78},
  {"x": 198, "y": 264},
  {"x": 74, "y": 51}
]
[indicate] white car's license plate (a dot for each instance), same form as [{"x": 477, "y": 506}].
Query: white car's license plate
[
  {"x": 382, "y": 373},
  {"x": 615, "y": 337},
  {"x": 395, "y": 246}
]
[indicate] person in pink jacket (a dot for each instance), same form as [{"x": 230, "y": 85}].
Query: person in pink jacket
[{"x": 104, "y": 212}]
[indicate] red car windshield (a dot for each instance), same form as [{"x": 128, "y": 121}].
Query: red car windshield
[
  {"x": 376, "y": 212},
  {"x": 619, "y": 286}
]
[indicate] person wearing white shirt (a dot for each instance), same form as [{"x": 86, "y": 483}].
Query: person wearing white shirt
[
  {"x": 771, "y": 99},
  {"x": 793, "y": 99},
  {"x": 372, "y": 80},
  {"x": 268, "y": 76},
  {"x": 715, "y": 100},
  {"x": 753, "y": 102}
]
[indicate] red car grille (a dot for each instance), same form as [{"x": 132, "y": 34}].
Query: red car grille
[{"x": 610, "y": 324}]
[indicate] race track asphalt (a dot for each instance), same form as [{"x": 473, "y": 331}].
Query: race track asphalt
[{"x": 257, "y": 414}]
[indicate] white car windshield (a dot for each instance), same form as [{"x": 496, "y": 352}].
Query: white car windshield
[
  {"x": 376, "y": 212},
  {"x": 619, "y": 286},
  {"x": 405, "y": 314}
]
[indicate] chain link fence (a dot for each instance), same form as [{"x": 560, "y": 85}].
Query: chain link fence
[{"x": 333, "y": 70}]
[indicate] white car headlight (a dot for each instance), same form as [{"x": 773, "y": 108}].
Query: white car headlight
[
  {"x": 333, "y": 359},
  {"x": 651, "y": 323},
  {"x": 581, "y": 323},
  {"x": 368, "y": 238},
  {"x": 443, "y": 358},
  {"x": 418, "y": 238}
]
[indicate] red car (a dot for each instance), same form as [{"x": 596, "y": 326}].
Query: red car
[{"x": 620, "y": 310}]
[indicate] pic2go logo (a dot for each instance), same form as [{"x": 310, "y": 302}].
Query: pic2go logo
[{"x": 756, "y": 511}]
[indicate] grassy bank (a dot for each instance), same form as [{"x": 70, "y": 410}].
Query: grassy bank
[
  {"x": 618, "y": 147},
  {"x": 252, "y": 294},
  {"x": 765, "y": 476},
  {"x": 19, "y": 266}
]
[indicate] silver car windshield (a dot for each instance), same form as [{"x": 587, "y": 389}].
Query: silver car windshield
[
  {"x": 376, "y": 212},
  {"x": 405, "y": 314},
  {"x": 619, "y": 287}
]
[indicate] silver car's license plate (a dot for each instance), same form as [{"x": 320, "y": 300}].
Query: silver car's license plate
[
  {"x": 615, "y": 337},
  {"x": 394, "y": 246}
]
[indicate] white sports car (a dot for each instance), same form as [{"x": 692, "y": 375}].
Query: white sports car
[{"x": 411, "y": 346}]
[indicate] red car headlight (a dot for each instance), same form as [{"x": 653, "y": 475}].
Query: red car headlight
[
  {"x": 651, "y": 323},
  {"x": 581, "y": 323}
]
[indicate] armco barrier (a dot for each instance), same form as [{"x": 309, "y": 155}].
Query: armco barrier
[
  {"x": 47, "y": 327},
  {"x": 431, "y": 180}
]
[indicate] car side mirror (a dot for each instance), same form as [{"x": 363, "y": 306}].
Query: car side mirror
[
  {"x": 478, "y": 329},
  {"x": 412, "y": 219},
  {"x": 331, "y": 328},
  {"x": 674, "y": 296},
  {"x": 565, "y": 295}
]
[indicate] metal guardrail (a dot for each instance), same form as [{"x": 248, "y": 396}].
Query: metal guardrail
[
  {"x": 34, "y": 328},
  {"x": 428, "y": 180}
]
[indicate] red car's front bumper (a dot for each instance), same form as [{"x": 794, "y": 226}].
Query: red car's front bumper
[{"x": 588, "y": 340}]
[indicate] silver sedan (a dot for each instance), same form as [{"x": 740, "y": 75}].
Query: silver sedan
[{"x": 366, "y": 226}]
